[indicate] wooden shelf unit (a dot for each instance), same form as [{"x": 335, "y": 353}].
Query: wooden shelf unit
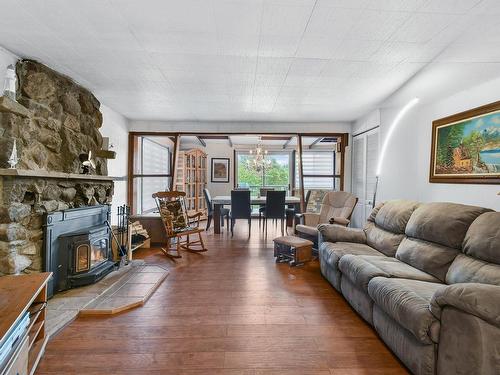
[
  {"x": 191, "y": 177},
  {"x": 19, "y": 294}
]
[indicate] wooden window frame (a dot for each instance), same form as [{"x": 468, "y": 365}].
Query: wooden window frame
[{"x": 344, "y": 138}]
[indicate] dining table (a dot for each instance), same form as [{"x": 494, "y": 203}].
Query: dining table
[{"x": 220, "y": 201}]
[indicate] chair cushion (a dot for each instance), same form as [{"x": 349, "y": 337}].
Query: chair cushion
[
  {"x": 312, "y": 231},
  {"x": 337, "y": 204},
  {"x": 360, "y": 269},
  {"x": 407, "y": 302},
  {"x": 174, "y": 210},
  {"x": 333, "y": 251}
]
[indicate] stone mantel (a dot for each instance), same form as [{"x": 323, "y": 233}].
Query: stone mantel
[{"x": 29, "y": 173}]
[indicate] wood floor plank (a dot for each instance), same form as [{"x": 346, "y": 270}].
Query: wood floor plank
[{"x": 229, "y": 311}]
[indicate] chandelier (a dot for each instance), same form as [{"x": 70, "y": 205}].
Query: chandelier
[{"x": 258, "y": 160}]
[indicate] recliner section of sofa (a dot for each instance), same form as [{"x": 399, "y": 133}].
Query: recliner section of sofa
[
  {"x": 409, "y": 297},
  {"x": 381, "y": 236}
]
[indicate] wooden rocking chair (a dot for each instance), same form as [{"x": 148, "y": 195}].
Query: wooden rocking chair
[{"x": 178, "y": 224}]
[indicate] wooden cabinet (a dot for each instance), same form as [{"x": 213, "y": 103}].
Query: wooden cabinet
[
  {"x": 191, "y": 177},
  {"x": 21, "y": 295}
]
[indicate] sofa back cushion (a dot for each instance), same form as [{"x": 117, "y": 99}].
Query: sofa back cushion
[
  {"x": 429, "y": 257},
  {"x": 443, "y": 223},
  {"x": 385, "y": 227},
  {"x": 482, "y": 240},
  {"x": 435, "y": 233},
  {"x": 480, "y": 261},
  {"x": 465, "y": 269}
]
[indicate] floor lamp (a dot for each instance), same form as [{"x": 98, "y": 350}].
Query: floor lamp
[{"x": 393, "y": 126}]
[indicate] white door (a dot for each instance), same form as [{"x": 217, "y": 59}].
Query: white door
[{"x": 365, "y": 149}]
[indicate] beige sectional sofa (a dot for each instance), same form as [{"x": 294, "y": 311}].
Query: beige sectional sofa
[{"x": 426, "y": 276}]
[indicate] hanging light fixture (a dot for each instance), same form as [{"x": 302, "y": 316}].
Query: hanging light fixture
[{"x": 258, "y": 160}]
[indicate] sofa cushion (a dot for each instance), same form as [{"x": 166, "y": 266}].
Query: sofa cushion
[
  {"x": 360, "y": 269},
  {"x": 330, "y": 253},
  {"x": 394, "y": 215},
  {"x": 429, "y": 257},
  {"x": 382, "y": 240},
  {"x": 312, "y": 231},
  {"x": 482, "y": 240},
  {"x": 407, "y": 302},
  {"x": 465, "y": 269},
  {"x": 443, "y": 223},
  {"x": 333, "y": 251}
]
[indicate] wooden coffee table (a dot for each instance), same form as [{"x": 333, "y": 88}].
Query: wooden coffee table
[{"x": 291, "y": 249}]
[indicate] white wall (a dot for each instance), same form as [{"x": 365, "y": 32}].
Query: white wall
[
  {"x": 6, "y": 58},
  {"x": 115, "y": 127},
  {"x": 228, "y": 127},
  {"x": 405, "y": 171}
]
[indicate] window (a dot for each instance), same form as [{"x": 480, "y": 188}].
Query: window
[
  {"x": 319, "y": 170},
  {"x": 152, "y": 170},
  {"x": 276, "y": 174}
]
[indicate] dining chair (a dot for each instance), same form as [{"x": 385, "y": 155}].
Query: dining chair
[
  {"x": 263, "y": 193},
  {"x": 240, "y": 208},
  {"x": 224, "y": 212},
  {"x": 275, "y": 208}
]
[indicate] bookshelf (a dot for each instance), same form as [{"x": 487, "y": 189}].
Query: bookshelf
[{"x": 191, "y": 177}]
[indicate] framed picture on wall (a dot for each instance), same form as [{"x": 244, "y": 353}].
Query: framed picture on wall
[
  {"x": 220, "y": 170},
  {"x": 466, "y": 147}
]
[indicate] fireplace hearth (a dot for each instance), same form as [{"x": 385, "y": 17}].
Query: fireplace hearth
[{"x": 77, "y": 247}]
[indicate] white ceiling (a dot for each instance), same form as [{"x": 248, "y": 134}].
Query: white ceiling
[{"x": 248, "y": 60}]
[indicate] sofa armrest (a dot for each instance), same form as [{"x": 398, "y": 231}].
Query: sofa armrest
[
  {"x": 481, "y": 300},
  {"x": 340, "y": 221},
  {"x": 337, "y": 233}
]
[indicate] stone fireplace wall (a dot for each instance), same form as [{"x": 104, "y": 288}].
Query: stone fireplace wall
[
  {"x": 63, "y": 122},
  {"x": 56, "y": 121}
]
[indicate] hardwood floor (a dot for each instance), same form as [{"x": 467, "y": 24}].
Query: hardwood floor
[{"x": 229, "y": 311}]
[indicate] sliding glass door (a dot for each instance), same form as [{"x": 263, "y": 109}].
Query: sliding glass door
[{"x": 275, "y": 172}]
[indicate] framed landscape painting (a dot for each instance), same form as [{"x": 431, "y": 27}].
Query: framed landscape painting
[
  {"x": 466, "y": 147},
  {"x": 220, "y": 169}
]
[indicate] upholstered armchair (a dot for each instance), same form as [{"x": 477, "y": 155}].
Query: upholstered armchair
[{"x": 336, "y": 208}]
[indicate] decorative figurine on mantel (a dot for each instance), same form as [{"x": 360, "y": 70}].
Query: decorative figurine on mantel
[
  {"x": 13, "y": 159},
  {"x": 9, "y": 88},
  {"x": 87, "y": 163}
]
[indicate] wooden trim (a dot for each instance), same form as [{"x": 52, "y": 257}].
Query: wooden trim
[
  {"x": 234, "y": 169},
  {"x": 477, "y": 179},
  {"x": 317, "y": 140},
  {"x": 343, "y": 143},
  {"x": 301, "y": 174},
  {"x": 205, "y": 135},
  {"x": 130, "y": 182},
  {"x": 175, "y": 160},
  {"x": 202, "y": 142}
]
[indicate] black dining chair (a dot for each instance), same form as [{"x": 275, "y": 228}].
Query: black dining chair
[
  {"x": 240, "y": 208},
  {"x": 224, "y": 212},
  {"x": 263, "y": 193},
  {"x": 275, "y": 208}
]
